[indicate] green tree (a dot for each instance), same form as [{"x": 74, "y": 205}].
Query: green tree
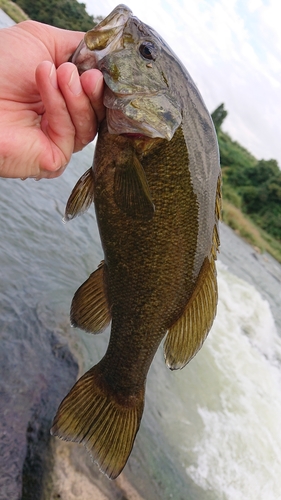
[
  {"x": 218, "y": 116},
  {"x": 67, "y": 14},
  {"x": 251, "y": 185},
  {"x": 261, "y": 196}
]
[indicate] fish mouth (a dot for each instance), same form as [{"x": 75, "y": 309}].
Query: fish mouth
[
  {"x": 118, "y": 123},
  {"x": 118, "y": 17},
  {"x": 102, "y": 39},
  {"x": 137, "y": 114},
  {"x": 132, "y": 108}
]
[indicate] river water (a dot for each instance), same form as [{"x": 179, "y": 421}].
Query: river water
[{"x": 211, "y": 431}]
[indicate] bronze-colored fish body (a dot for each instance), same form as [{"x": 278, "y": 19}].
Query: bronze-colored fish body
[
  {"x": 157, "y": 201},
  {"x": 148, "y": 270}
]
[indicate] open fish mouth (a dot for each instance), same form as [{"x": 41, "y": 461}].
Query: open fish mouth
[
  {"x": 118, "y": 123},
  {"x": 103, "y": 39},
  {"x": 137, "y": 95},
  {"x": 151, "y": 115},
  {"x": 118, "y": 17}
]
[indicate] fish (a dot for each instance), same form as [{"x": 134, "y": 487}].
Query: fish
[{"x": 156, "y": 186}]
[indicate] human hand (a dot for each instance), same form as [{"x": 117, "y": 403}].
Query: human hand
[{"x": 47, "y": 111}]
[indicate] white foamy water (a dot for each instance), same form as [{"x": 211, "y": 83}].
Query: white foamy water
[{"x": 237, "y": 453}]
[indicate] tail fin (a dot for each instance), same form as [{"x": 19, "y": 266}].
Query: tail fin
[{"x": 104, "y": 422}]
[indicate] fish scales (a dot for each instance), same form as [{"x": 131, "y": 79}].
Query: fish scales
[
  {"x": 146, "y": 268},
  {"x": 155, "y": 183}
]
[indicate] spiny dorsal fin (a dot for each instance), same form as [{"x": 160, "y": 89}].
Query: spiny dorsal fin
[
  {"x": 187, "y": 335},
  {"x": 81, "y": 196},
  {"x": 90, "y": 310},
  {"x": 131, "y": 191},
  {"x": 107, "y": 425}
]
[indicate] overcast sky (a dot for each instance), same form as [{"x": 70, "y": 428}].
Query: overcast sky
[{"x": 232, "y": 49}]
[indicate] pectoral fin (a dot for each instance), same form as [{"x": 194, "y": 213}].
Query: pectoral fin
[
  {"x": 90, "y": 310},
  {"x": 81, "y": 196},
  {"x": 131, "y": 191},
  {"x": 187, "y": 335}
]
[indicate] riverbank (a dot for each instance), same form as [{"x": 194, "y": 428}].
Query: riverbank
[{"x": 248, "y": 231}]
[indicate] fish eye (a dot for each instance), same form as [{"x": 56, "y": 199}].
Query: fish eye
[{"x": 148, "y": 51}]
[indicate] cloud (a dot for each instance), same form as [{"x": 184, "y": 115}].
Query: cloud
[{"x": 232, "y": 50}]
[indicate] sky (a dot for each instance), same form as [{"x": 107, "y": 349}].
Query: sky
[{"x": 232, "y": 50}]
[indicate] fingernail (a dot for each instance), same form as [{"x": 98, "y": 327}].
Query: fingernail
[
  {"x": 74, "y": 83},
  {"x": 53, "y": 77}
]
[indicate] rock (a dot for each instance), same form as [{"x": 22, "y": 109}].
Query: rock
[{"x": 36, "y": 371}]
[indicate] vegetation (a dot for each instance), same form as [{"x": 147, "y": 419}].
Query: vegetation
[
  {"x": 250, "y": 232},
  {"x": 251, "y": 190},
  {"x": 67, "y": 14},
  {"x": 218, "y": 116},
  {"x": 13, "y": 11}
]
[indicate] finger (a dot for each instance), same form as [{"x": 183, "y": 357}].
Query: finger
[
  {"x": 46, "y": 174},
  {"x": 56, "y": 122},
  {"x": 93, "y": 85},
  {"x": 78, "y": 104}
]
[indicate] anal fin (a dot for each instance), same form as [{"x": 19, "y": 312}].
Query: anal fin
[
  {"x": 187, "y": 335},
  {"x": 90, "y": 310}
]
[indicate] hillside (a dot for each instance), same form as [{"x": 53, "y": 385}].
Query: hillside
[
  {"x": 251, "y": 192},
  {"x": 67, "y": 14}
]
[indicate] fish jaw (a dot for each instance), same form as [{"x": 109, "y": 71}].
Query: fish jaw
[
  {"x": 102, "y": 39},
  {"x": 137, "y": 94},
  {"x": 153, "y": 117}
]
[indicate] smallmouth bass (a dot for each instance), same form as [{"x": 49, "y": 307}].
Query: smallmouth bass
[{"x": 155, "y": 183}]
